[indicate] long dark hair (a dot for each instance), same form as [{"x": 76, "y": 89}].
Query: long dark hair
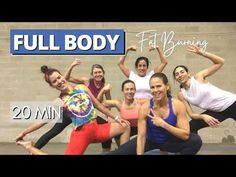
[{"x": 179, "y": 66}]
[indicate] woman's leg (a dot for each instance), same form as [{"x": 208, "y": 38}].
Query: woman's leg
[
  {"x": 196, "y": 125},
  {"x": 124, "y": 132},
  {"x": 29, "y": 146},
  {"x": 106, "y": 145},
  {"x": 79, "y": 140},
  {"x": 54, "y": 131},
  {"x": 129, "y": 148},
  {"x": 230, "y": 112},
  {"x": 188, "y": 147}
]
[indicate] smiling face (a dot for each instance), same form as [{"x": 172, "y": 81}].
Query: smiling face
[
  {"x": 98, "y": 74},
  {"x": 158, "y": 89},
  {"x": 129, "y": 91},
  {"x": 181, "y": 75},
  {"x": 142, "y": 68},
  {"x": 58, "y": 81}
]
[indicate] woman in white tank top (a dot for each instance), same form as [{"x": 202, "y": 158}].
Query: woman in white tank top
[
  {"x": 196, "y": 90},
  {"x": 141, "y": 79}
]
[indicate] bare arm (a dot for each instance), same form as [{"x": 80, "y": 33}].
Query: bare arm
[
  {"x": 77, "y": 80},
  {"x": 182, "y": 130},
  {"x": 211, "y": 121},
  {"x": 104, "y": 110},
  {"x": 217, "y": 62},
  {"x": 104, "y": 91},
  {"x": 141, "y": 140},
  {"x": 108, "y": 95},
  {"x": 189, "y": 109},
  {"x": 163, "y": 59},
  {"x": 28, "y": 130},
  {"x": 112, "y": 103},
  {"x": 36, "y": 125},
  {"x": 141, "y": 101},
  {"x": 121, "y": 63}
]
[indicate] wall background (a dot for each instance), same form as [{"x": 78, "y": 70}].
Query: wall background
[{"x": 21, "y": 79}]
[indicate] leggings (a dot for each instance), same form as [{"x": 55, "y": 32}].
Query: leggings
[
  {"x": 54, "y": 131},
  {"x": 174, "y": 145},
  {"x": 230, "y": 112}
]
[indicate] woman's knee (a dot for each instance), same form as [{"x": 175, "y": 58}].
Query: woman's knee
[
  {"x": 117, "y": 129},
  {"x": 195, "y": 140}
]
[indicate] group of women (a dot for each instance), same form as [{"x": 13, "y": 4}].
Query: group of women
[{"x": 147, "y": 110}]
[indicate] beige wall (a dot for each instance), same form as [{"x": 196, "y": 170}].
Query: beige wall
[{"x": 21, "y": 79}]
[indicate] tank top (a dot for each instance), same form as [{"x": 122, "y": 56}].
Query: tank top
[
  {"x": 95, "y": 91},
  {"x": 141, "y": 84},
  {"x": 130, "y": 115},
  {"x": 78, "y": 106},
  {"x": 207, "y": 96},
  {"x": 157, "y": 134}
]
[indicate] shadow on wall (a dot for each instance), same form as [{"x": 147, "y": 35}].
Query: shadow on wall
[
  {"x": 228, "y": 139},
  {"x": 225, "y": 133}
]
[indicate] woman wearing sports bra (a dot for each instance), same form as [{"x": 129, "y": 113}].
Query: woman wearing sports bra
[
  {"x": 128, "y": 107},
  {"x": 162, "y": 124}
]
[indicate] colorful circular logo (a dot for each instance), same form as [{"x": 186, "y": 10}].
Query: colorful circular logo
[{"x": 80, "y": 105}]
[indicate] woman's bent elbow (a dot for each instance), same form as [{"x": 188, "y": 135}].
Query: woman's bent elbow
[{"x": 186, "y": 136}]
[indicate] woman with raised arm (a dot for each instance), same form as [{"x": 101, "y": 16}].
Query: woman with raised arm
[
  {"x": 196, "y": 90},
  {"x": 141, "y": 79},
  {"x": 98, "y": 88},
  {"x": 78, "y": 103}
]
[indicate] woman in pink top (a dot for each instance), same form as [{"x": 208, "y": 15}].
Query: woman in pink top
[{"x": 128, "y": 107}]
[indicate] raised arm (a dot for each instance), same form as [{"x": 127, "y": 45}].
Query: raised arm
[
  {"x": 142, "y": 117},
  {"x": 104, "y": 91},
  {"x": 163, "y": 59},
  {"x": 217, "y": 62},
  {"x": 121, "y": 62},
  {"x": 112, "y": 103},
  {"x": 78, "y": 80},
  {"x": 211, "y": 121}
]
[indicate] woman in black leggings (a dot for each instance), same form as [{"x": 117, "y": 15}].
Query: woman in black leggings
[{"x": 54, "y": 131}]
